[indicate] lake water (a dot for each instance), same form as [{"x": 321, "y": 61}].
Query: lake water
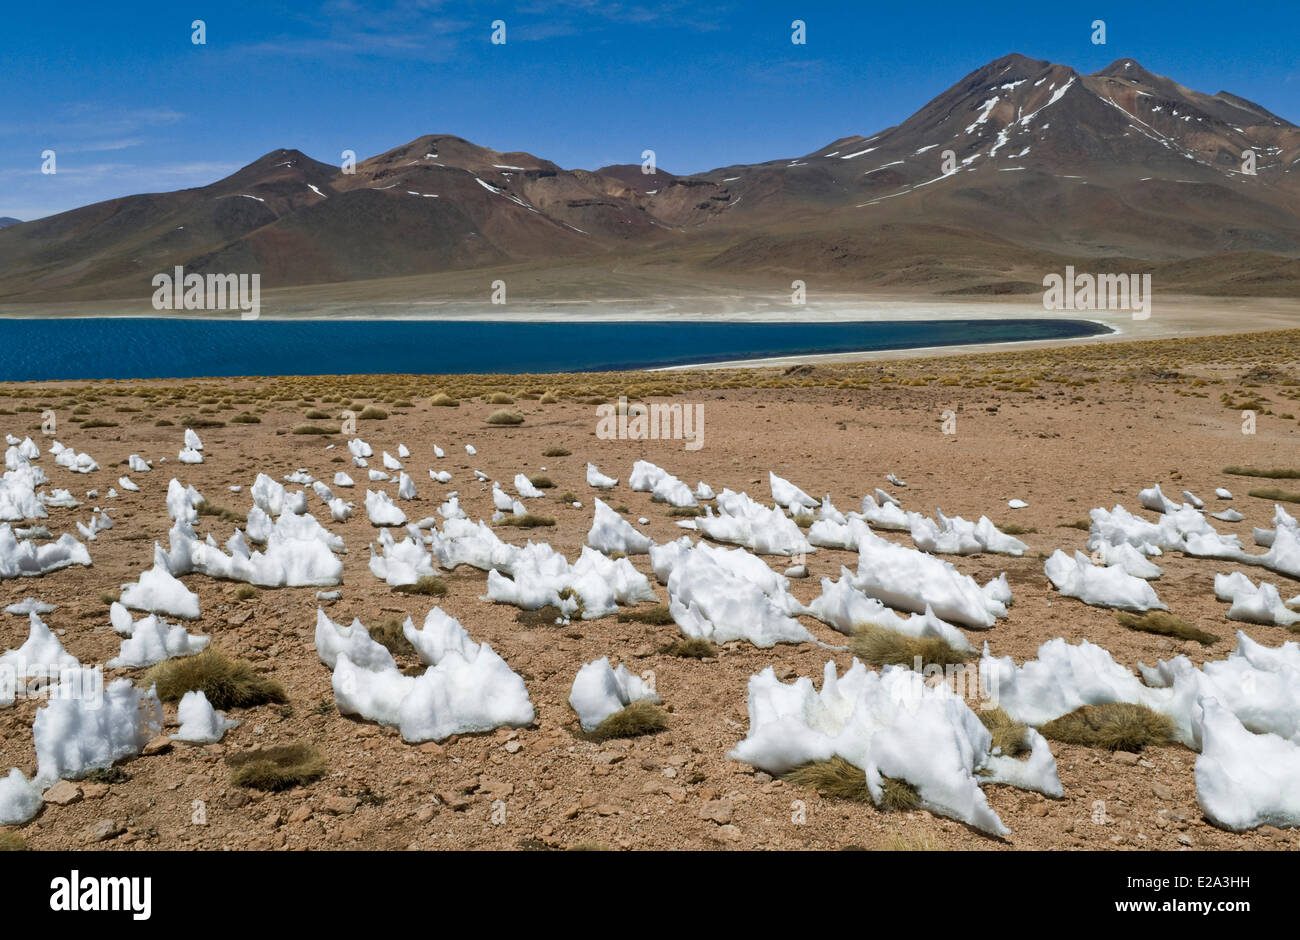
[{"x": 146, "y": 348}]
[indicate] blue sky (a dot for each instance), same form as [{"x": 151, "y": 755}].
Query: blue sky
[{"x": 129, "y": 104}]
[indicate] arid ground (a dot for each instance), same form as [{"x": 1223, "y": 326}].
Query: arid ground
[{"x": 1064, "y": 429}]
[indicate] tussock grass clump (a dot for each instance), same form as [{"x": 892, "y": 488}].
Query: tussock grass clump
[
  {"x": 196, "y": 421},
  {"x": 690, "y": 647},
  {"x": 541, "y": 617},
  {"x": 97, "y": 423},
  {"x": 371, "y": 413},
  {"x": 834, "y": 778},
  {"x": 12, "y": 841},
  {"x": 568, "y": 496},
  {"x": 1165, "y": 624},
  {"x": 499, "y": 398},
  {"x": 542, "y": 482},
  {"x": 882, "y": 647},
  {"x": 549, "y": 398},
  {"x": 527, "y": 521},
  {"x": 205, "y": 508},
  {"x": 1013, "y": 529},
  {"x": 505, "y": 417},
  {"x": 637, "y": 719},
  {"x": 246, "y": 418},
  {"x": 108, "y": 598},
  {"x": 1008, "y": 734},
  {"x": 556, "y": 452},
  {"x": 245, "y": 592},
  {"x": 684, "y": 512},
  {"x": 312, "y": 429},
  {"x": 389, "y": 635},
  {"x": 228, "y": 683},
  {"x": 428, "y": 586},
  {"x": 277, "y": 768},
  {"x": 656, "y": 615},
  {"x": 1268, "y": 473},
  {"x": 1276, "y": 494},
  {"x": 317, "y": 415},
  {"x": 1115, "y": 726},
  {"x": 443, "y": 400},
  {"x": 897, "y": 842},
  {"x": 898, "y": 795},
  {"x": 1083, "y": 525},
  {"x": 164, "y": 423}
]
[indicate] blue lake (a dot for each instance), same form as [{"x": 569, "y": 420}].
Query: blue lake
[{"x": 146, "y": 348}]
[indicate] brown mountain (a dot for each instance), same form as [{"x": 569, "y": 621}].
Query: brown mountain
[{"x": 1021, "y": 165}]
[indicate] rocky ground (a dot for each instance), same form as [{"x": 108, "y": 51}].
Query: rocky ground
[{"x": 1064, "y": 431}]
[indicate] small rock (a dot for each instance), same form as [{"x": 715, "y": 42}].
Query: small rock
[
  {"x": 63, "y": 793},
  {"x": 1126, "y": 757},
  {"x": 426, "y": 812},
  {"x": 1184, "y": 839},
  {"x": 1039, "y": 809},
  {"x": 235, "y": 799},
  {"x": 106, "y": 829},
  {"x": 94, "y": 791},
  {"x": 512, "y": 747},
  {"x": 727, "y": 833},
  {"x": 159, "y": 745},
  {"x": 1162, "y": 791},
  {"x": 720, "y": 811},
  {"x": 300, "y": 814},
  {"x": 340, "y": 805}
]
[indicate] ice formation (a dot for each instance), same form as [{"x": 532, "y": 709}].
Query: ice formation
[
  {"x": 610, "y": 533},
  {"x": 1098, "y": 586},
  {"x": 159, "y": 592},
  {"x": 24, "y": 558},
  {"x": 845, "y": 608},
  {"x": 720, "y": 595},
  {"x": 956, "y": 536},
  {"x": 41, "y": 656},
  {"x": 911, "y": 580},
  {"x": 598, "y": 480},
  {"x": 74, "y": 735},
  {"x": 742, "y": 521},
  {"x": 599, "y": 691},
  {"x": 595, "y": 584},
  {"x": 381, "y": 511},
  {"x": 333, "y": 639},
  {"x": 200, "y": 722},
  {"x": 20, "y": 799},
  {"x": 468, "y": 689},
  {"x": 401, "y": 563},
  {"x": 785, "y": 493},
  {"x": 891, "y": 724}
]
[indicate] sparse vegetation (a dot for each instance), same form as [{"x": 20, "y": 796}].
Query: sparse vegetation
[
  {"x": 1275, "y": 494},
  {"x": 542, "y": 482},
  {"x": 389, "y": 635},
  {"x": 205, "y": 508},
  {"x": 541, "y": 617},
  {"x": 245, "y": 592},
  {"x": 639, "y": 718},
  {"x": 1008, "y": 734},
  {"x": 1114, "y": 726},
  {"x": 499, "y": 398},
  {"x": 556, "y": 452},
  {"x": 311, "y": 429},
  {"x": 1269, "y": 473},
  {"x": 883, "y": 647},
  {"x": 227, "y": 683},
  {"x": 12, "y": 841},
  {"x": 443, "y": 400},
  {"x": 1165, "y": 624},
  {"x": 691, "y": 647},
  {"x": 656, "y": 615},
  {"x": 835, "y": 778},
  {"x": 505, "y": 417},
  {"x": 371, "y": 413},
  {"x": 428, "y": 586},
  {"x": 527, "y": 521},
  {"x": 277, "y": 768}
]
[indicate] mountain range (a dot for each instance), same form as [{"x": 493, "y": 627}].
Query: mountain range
[{"x": 1020, "y": 167}]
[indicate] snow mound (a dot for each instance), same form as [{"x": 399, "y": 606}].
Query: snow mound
[
  {"x": 785, "y": 493},
  {"x": 598, "y": 480},
  {"x": 1100, "y": 586},
  {"x": 151, "y": 641},
  {"x": 334, "y": 640},
  {"x": 381, "y": 511},
  {"x": 26, "y": 559},
  {"x": 401, "y": 563},
  {"x": 41, "y": 656},
  {"x": 20, "y": 800},
  {"x": 889, "y": 724},
  {"x": 911, "y": 580},
  {"x": 600, "y": 691},
  {"x": 1244, "y": 780},
  {"x": 159, "y": 592},
  {"x": 720, "y": 595},
  {"x": 844, "y": 607},
  {"x": 956, "y": 536},
  {"x": 742, "y": 521},
  {"x": 610, "y": 533},
  {"x": 75, "y": 735},
  {"x": 200, "y": 722},
  {"x": 595, "y": 584}
]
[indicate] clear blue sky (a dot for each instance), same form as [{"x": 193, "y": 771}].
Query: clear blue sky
[{"x": 131, "y": 105}]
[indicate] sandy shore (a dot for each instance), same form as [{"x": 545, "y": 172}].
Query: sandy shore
[{"x": 1063, "y": 429}]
